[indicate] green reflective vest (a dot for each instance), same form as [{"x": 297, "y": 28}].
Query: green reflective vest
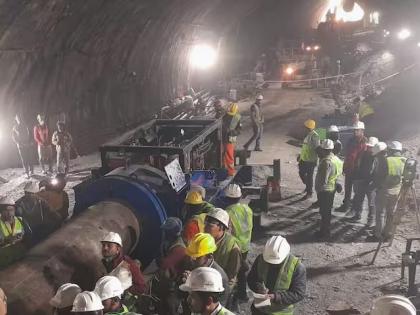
[
  {"x": 336, "y": 172},
  {"x": 241, "y": 219},
  {"x": 308, "y": 154},
  {"x": 283, "y": 282},
  {"x": 396, "y": 166},
  {"x": 224, "y": 311},
  {"x": 124, "y": 310},
  {"x": 232, "y": 127},
  {"x": 224, "y": 247},
  {"x": 7, "y": 231},
  {"x": 10, "y": 253}
]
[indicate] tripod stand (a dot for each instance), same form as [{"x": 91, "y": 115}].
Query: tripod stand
[{"x": 398, "y": 212}]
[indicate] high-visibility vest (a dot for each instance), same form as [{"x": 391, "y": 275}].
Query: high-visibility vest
[
  {"x": 232, "y": 126},
  {"x": 396, "y": 166},
  {"x": 224, "y": 311},
  {"x": 123, "y": 311},
  {"x": 222, "y": 253},
  {"x": 308, "y": 154},
  {"x": 283, "y": 282},
  {"x": 241, "y": 219},
  {"x": 365, "y": 110},
  {"x": 6, "y": 230},
  {"x": 337, "y": 171}
]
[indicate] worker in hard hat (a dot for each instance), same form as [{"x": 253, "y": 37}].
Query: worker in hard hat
[
  {"x": 380, "y": 171},
  {"x": 353, "y": 150},
  {"x": 362, "y": 183},
  {"x": 218, "y": 109},
  {"x": 279, "y": 276},
  {"x": 333, "y": 133},
  {"x": 231, "y": 128},
  {"x": 87, "y": 303},
  {"x": 62, "y": 140},
  {"x": 308, "y": 157},
  {"x": 228, "y": 253},
  {"x": 110, "y": 291},
  {"x": 121, "y": 266},
  {"x": 200, "y": 251},
  {"x": 3, "y": 302},
  {"x": 389, "y": 179},
  {"x": 194, "y": 213},
  {"x": 43, "y": 140},
  {"x": 62, "y": 301},
  {"x": 23, "y": 140},
  {"x": 241, "y": 221},
  {"x": 205, "y": 288},
  {"x": 329, "y": 170},
  {"x": 392, "y": 305},
  {"x": 257, "y": 121},
  {"x": 12, "y": 232}
]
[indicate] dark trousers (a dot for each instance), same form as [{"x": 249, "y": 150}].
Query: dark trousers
[
  {"x": 326, "y": 201},
  {"x": 348, "y": 189},
  {"x": 361, "y": 189},
  {"x": 241, "y": 288},
  {"x": 25, "y": 153},
  {"x": 257, "y": 133},
  {"x": 306, "y": 173}
]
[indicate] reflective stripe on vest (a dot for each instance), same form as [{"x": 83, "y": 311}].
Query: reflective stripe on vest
[
  {"x": 336, "y": 172},
  {"x": 396, "y": 165},
  {"x": 224, "y": 311},
  {"x": 222, "y": 253},
  {"x": 308, "y": 154},
  {"x": 283, "y": 282},
  {"x": 232, "y": 126},
  {"x": 6, "y": 229},
  {"x": 123, "y": 311},
  {"x": 241, "y": 219}
]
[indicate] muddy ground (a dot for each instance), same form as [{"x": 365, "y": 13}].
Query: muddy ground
[{"x": 338, "y": 271}]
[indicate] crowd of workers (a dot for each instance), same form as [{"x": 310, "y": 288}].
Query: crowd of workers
[
  {"x": 371, "y": 168},
  {"x": 24, "y": 140}
]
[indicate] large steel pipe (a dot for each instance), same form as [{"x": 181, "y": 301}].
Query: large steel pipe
[{"x": 71, "y": 254}]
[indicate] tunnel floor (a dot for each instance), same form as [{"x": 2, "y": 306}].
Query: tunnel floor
[{"x": 338, "y": 271}]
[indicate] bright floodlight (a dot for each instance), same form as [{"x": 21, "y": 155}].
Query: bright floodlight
[
  {"x": 308, "y": 48},
  {"x": 316, "y": 47},
  {"x": 404, "y": 34},
  {"x": 290, "y": 70},
  {"x": 203, "y": 56},
  {"x": 418, "y": 44}
]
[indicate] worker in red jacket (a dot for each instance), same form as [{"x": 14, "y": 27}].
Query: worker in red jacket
[
  {"x": 353, "y": 151},
  {"x": 123, "y": 267},
  {"x": 43, "y": 140}
]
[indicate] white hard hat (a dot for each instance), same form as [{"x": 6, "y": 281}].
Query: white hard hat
[
  {"x": 65, "y": 295},
  {"x": 379, "y": 147},
  {"x": 276, "y": 250},
  {"x": 260, "y": 97},
  {"x": 372, "y": 142},
  {"x": 359, "y": 125},
  {"x": 203, "y": 279},
  {"x": 113, "y": 237},
  {"x": 333, "y": 128},
  {"x": 200, "y": 189},
  {"x": 220, "y": 215},
  {"x": 233, "y": 191},
  {"x": 87, "y": 302},
  {"x": 7, "y": 200},
  {"x": 395, "y": 145},
  {"x": 108, "y": 287},
  {"x": 393, "y": 304},
  {"x": 327, "y": 144},
  {"x": 31, "y": 187}
]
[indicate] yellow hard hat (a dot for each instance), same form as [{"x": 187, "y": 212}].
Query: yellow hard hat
[
  {"x": 193, "y": 198},
  {"x": 310, "y": 124},
  {"x": 201, "y": 245},
  {"x": 233, "y": 109}
]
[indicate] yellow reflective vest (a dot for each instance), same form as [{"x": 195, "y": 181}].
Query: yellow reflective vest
[
  {"x": 308, "y": 153},
  {"x": 241, "y": 219}
]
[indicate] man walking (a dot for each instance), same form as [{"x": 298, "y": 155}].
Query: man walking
[
  {"x": 62, "y": 141},
  {"x": 257, "y": 120},
  {"x": 231, "y": 128},
  {"x": 42, "y": 138},
  {"x": 22, "y": 138},
  {"x": 308, "y": 157}
]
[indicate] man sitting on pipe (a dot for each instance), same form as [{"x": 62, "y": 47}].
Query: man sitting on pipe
[{"x": 123, "y": 267}]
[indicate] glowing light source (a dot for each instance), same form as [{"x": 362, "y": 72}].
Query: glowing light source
[
  {"x": 404, "y": 34},
  {"x": 386, "y": 33},
  {"x": 308, "y": 48},
  {"x": 54, "y": 181},
  {"x": 336, "y": 7},
  {"x": 418, "y": 44},
  {"x": 203, "y": 56},
  {"x": 289, "y": 70},
  {"x": 316, "y": 47}
]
